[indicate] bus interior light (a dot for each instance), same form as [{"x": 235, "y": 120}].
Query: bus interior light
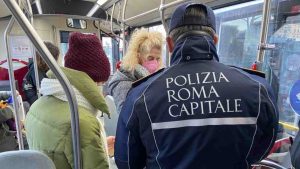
[{"x": 101, "y": 2}]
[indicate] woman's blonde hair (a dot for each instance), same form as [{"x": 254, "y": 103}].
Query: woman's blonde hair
[{"x": 141, "y": 42}]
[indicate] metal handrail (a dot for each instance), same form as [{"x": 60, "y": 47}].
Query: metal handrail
[
  {"x": 68, "y": 16},
  {"x": 124, "y": 10},
  {"x": 99, "y": 30},
  {"x": 46, "y": 55},
  {"x": 263, "y": 33},
  {"x": 35, "y": 66},
  {"x": 162, "y": 15},
  {"x": 163, "y": 21},
  {"x": 142, "y": 14},
  {"x": 106, "y": 20},
  {"x": 171, "y": 4},
  {"x": 13, "y": 84},
  {"x": 123, "y": 26},
  {"x": 30, "y": 11},
  {"x": 111, "y": 25},
  {"x": 119, "y": 13},
  {"x": 111, "y": 21},
  {"x": 38, "y": 6}
]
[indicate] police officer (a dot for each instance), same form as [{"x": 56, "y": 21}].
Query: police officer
[
  {"x": 295, "y": 150},
  {"x": 198, "y": 113}
]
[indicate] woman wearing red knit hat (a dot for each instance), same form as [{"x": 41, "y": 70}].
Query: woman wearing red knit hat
[{"x": 48, "y": 121}]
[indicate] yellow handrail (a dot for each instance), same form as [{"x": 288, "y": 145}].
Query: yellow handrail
[{"x": 289, "y": 126}]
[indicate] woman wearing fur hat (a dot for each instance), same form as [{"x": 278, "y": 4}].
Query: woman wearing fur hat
[
  {"x": 142, "y": 59},
  {"x": 48, "y": 121}
]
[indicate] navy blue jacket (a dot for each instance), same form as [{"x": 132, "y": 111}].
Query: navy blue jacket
[
  {"x": 196, "y": 114},
  {"x": 29, "y": 83},
  {"x": 295, "y": 151}
]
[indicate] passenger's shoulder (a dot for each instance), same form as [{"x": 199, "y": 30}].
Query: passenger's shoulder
[
  {"x": 142, "y": 80},
  {"x": 251, "y": 72}
]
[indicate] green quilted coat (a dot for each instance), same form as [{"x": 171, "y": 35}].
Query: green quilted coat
[{"x": 48, "y": 126}]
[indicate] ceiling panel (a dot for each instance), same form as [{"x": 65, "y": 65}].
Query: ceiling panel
[
  {"x": 3, "y": 10},
  {"x": 135, "y": 7},
  {"x": 70, "y": 7}
]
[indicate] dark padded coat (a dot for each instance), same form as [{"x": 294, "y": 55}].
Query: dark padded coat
[{"x": 196, "y": 114}]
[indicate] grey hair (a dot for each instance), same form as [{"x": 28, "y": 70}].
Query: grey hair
[{"x": 198, "y": 12}]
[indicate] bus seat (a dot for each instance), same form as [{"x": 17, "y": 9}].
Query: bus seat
[
  {"x": 111, "y": 124},
  {"x": 25, "y": 159}
]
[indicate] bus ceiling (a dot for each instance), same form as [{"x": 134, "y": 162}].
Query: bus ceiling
[
  {"x": 4, "y": 11},
  {"x": 100, "y": 9},
  {"x": 138, "y": 7}
]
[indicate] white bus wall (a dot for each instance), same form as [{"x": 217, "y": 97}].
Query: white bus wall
[
  {"x": 48, "y": 28},
  {"x": 3, "y": 53}
]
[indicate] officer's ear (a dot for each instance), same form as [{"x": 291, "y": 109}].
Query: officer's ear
[
  {"x": 170, "y": 43},
  {"x": 216, "y": 39}
]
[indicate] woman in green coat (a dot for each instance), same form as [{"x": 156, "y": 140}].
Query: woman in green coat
[{"x": 48, "y": 125}]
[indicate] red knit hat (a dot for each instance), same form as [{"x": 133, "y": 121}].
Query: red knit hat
[{"x": 86, "y": 54}]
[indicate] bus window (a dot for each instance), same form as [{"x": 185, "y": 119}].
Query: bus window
[
  {"x": 282, "y": 63},
  {"x": 238, "y": 28},
  {"x": 107, "y": 46},
  {"x": 113, "y": 50},
  {"x": 64, "y": 44},
  {"x": 121, "y": 49}
]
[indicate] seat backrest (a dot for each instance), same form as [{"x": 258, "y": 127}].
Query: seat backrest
[
  {"x": 21, "y": 110},
  {"x": 25, "y": 159},
  {"x": 111, "y": 124}
]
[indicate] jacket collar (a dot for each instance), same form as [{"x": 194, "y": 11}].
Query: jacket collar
[
  {"x": 52, "y": 87},
  {"x": 138, "y": 72},
  {"x": 86, "y": 86},
  {"x": 194, "y": 47}
]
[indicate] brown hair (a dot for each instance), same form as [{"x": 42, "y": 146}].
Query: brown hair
[{"x": 53, "y": 50}]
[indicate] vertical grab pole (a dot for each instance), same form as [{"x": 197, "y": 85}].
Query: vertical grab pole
[
  {"x": 111, "y": 19},
  {"x": 263, "y": 34},
  {"x": 119, "y": 13},
  {"x": 99, "y": 30},
  {"x": 123, "y": 27},
  {"x": 162, "y": 15},
  {"x": 46, "y": 55},
  {"x": 13, "y": 84},
  {"x": 163, "y": 21},
  {"x": 111, "y": 25},
  {"x": 106, "y": 20},
  {"x": 35, "y": 66},
  {"x": 30, "y": 10}
]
